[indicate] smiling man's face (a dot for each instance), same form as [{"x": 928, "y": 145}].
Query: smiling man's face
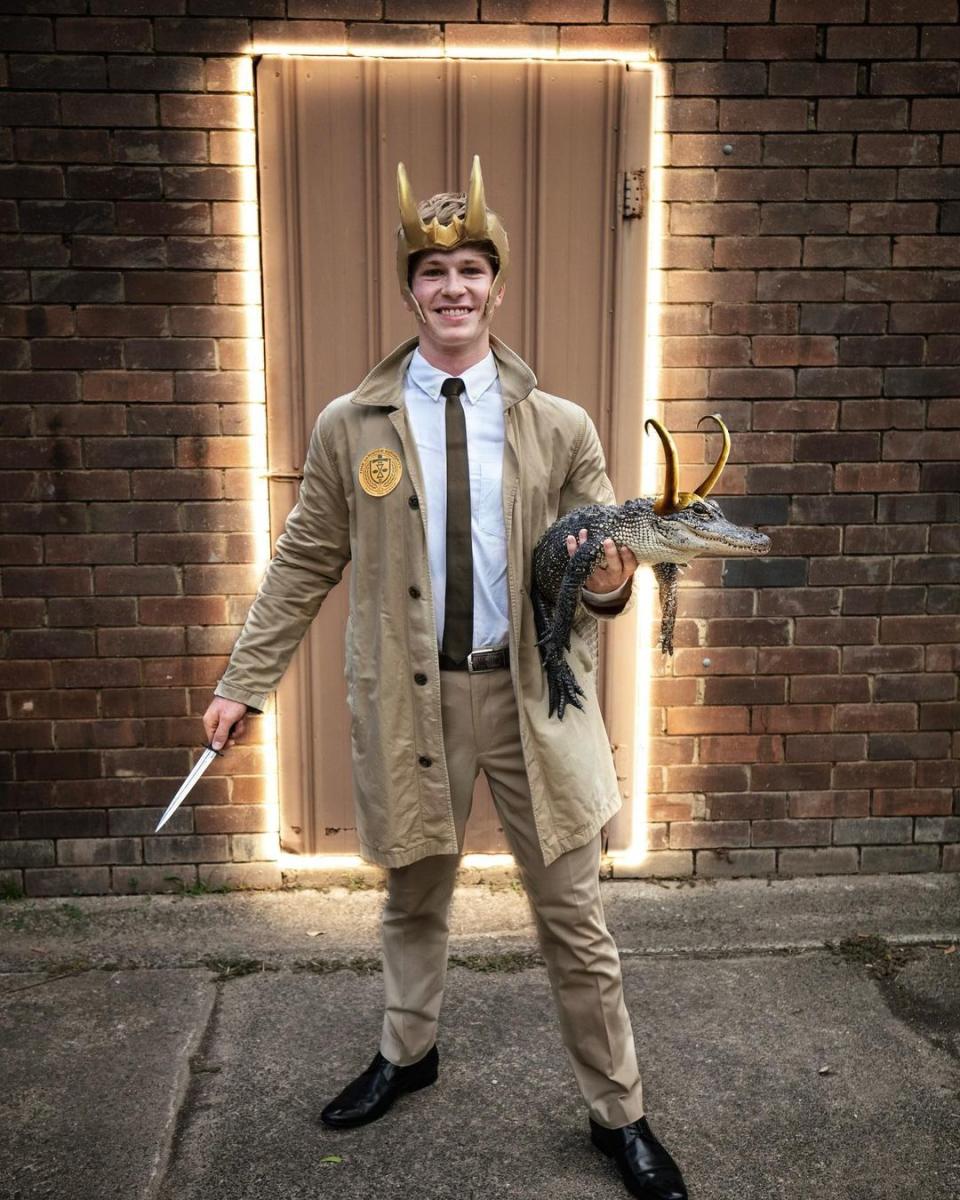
[{"x": 451, "y": 287}]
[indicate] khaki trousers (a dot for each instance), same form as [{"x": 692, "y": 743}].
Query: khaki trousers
[{"x": 481, "y": 729}]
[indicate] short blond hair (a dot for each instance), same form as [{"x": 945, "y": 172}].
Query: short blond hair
[{"x": 444, "y": 206}]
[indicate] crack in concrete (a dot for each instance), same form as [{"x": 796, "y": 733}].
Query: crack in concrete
[{"x": 182, "y": 1096}]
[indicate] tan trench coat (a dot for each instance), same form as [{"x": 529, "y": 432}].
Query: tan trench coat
[{"x": 553, "y": 462}]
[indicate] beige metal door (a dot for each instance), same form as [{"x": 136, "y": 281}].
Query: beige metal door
[{"x": 555, "y": 140}]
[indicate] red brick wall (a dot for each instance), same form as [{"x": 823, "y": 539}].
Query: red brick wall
[{"x": 812, "y": 292}]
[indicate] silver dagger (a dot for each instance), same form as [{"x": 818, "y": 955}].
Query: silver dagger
[{"x": 204, "y": 761}]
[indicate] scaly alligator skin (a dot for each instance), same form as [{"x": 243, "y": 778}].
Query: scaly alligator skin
[{"x": 666, "y": 542}]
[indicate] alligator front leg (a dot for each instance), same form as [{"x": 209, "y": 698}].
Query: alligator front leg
[
  {"x": 667, "y": 576},
  {"x": 554, "y": 634}
]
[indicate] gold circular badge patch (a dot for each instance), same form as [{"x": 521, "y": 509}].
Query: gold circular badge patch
[{"x": 380, "y": 472}]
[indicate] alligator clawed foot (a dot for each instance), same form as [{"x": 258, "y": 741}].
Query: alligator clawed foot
[{"x": 562, "y": 683}]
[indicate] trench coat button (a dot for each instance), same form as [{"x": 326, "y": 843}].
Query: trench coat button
[
  {"x": 424, "y": 761},
  {"x": 414, "y": 502},
  {"x": 414, "y": 592},
  {"x": 420, "y": 678}
]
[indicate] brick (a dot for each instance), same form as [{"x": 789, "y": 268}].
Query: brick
[
  {"x": 912, "y": 802},
  {"x": 767, "y": 183},
  {"x": 715, "y": 10},
  {"x": 899, "y": 859},
  {"x": 799, "y": 660},
  {"x": 707, "y": 719},
  {"x": 597, "y": 40},
  {"x": 685, "y": 42},
  {"x": 914, "y": 78},
  {"x": 803, "y": 218},
  {"x": 916, "y": 508},
  {"x": 103, "y": 33},
  {"x": 762, "y": 116},
  {"x": 747, "y": 252},
  {"x": 736, "y": 691},
  {"x": 707, "y": 149},
  {"x": 113, "y": 181},
  {"x": 836, "y": 631},
  {"x": 861, "y": 115},
  {"x": 800, "y": 414},
  {"x": 870, "y": 42},
  {"x": 67, "y": 881},
  {"x": 771, "y": 43},
  {"x": 720, "y": 79},
  {"x": 867, "y": 218},
  {"x": 919, "y": 629},
  {"x": 26, "y": 853},
  {"x": 741, "y": 748},
  {"x": 872, "y": 830},
  {"x": 764, "y": 572},
  {"x": 912, "y": 11},
  {"x": 733, "y": 863},
  {"x": 799, "y": 285},
  {"x": 929, "y": 183},
  {"x": 860, "y": 183},
  {"x": 83, "y": 852},
  {"x": 890, "y": 350},
  {"x": 689, "y": 115},
  {"x": 652, "y": 12},
  {"x": 837, "y": 447},
  {"x": 866, "y": 477},
  {"x": 829, "y": 860},
  {"x": 928, "y": 686},
  {"x": 884, "y": 539},
  {"x": 56, "y": 70},
  {"x": 790, "y": 833},
  {"x": 909, "y": 745},
  {"x": 830, "y": 688},
  {"x": 846, "y": 251},
  {"x": 160, "y": 146},
  {"x": 767, "y": 319},
  {"x": 813, "y": 79},
  {"x": 59, "y": 145},
  {"x": 829, "y": 804},
  {"x": 809, "y": 602},
  {"x": 844, "y": 12},
  {"x": 746, "y": 807},
  {"x": 689, "y": 835},
  {"x": 937, "y": 829}
]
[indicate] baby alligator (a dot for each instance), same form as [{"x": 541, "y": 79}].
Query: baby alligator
[{"x": 666, "y": 533}]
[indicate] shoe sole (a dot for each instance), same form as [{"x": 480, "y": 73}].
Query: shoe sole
[{"x": 376, "y": 1113}]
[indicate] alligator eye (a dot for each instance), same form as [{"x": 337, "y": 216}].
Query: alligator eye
[{"x": 701, "y": 509}]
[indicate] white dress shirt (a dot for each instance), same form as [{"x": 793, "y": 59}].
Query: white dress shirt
[{"x": 483, "y": 414}]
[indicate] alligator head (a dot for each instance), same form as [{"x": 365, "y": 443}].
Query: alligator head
[{"x": 688, "y": 524}]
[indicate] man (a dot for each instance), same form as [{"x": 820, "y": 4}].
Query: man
[{"x": 435, "y": 477}]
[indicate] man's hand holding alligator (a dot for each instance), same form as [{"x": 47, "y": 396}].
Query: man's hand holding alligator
[{"x": 618, "y": 565}]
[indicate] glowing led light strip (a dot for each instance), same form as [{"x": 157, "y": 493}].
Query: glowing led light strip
[{"x": 636, "y": 851}]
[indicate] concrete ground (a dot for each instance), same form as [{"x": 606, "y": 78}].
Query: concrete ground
[{"x": 796, "y": 1037}]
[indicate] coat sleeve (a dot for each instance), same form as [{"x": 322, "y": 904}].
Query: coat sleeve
[
  {"x": 309, "y": 558},
  {"x": 587, "y": 483}
]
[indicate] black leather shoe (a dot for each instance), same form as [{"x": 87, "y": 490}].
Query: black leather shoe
[
  {"x": 647, "y": 1168},
  {"x": 372, "y": 1093}
]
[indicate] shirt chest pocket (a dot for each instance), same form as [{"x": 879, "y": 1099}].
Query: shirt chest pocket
[{"x": 486, "y": 477}]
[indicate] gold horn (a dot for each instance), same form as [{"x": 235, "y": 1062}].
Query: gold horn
[
  {"x": 707, "y": 486},
  {"x": 409, "y": 217},
  {"x": 669, "y": 501},
  {"x": 475, "y": 219}
]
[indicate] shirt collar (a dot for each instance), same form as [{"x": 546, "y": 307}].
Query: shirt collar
[{"x": 477, "y": 379}]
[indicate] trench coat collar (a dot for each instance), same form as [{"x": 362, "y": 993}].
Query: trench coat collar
[{"x": 383, "y": 386}]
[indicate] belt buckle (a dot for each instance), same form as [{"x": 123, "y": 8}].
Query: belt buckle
[{"x": 481, "y": 655}]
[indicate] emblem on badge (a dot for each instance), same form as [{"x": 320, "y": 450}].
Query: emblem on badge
[{"x": 380, "y": 471}]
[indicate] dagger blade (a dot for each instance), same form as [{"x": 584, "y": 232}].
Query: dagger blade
[{"x": 204, "y": 761}]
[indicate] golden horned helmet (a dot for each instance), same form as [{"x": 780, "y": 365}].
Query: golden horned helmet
[
  {"x": 671, "y": 500},
  {"x": 478, "y": 224}
]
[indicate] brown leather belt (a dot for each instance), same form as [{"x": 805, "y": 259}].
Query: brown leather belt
[{"x": 478, "y": 660}]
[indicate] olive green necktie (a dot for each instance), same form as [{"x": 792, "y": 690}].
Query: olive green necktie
[{"x": 458, "y": 606}]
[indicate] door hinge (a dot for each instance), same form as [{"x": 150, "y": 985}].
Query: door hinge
[
  {"x": 282, "y": 475},
  {"x": 634, "y": 193}
]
